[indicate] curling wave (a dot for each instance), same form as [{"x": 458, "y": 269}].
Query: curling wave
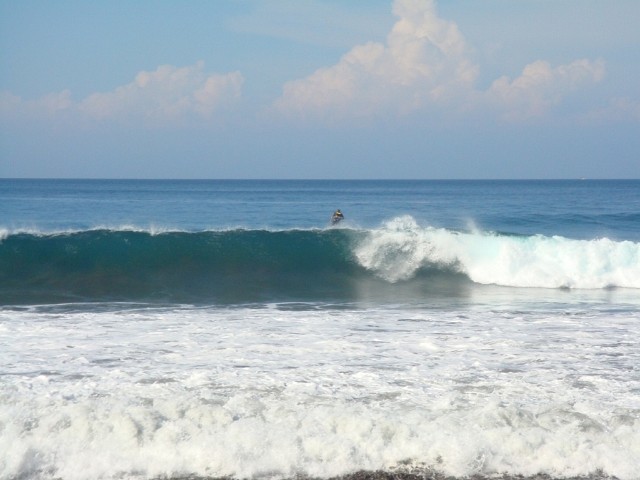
[
  {"x": 259, "y": 265},
  {"x": 400, "y": 249}
]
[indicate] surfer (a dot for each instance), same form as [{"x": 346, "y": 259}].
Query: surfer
[{"x": 337, "y": 217}]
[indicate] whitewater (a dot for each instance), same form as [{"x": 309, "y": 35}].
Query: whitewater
[
  {"x": 399, "y": 249},
  {"x": 191, "y": 329}
]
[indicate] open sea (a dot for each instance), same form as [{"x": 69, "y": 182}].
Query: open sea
[{"x": 204, "y": 329}]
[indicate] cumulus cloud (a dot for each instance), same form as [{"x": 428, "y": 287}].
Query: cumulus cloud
[
  {"x": 540, "y": 86},
  {"x": 423, "y": 61},
  {"x": 425, "y": 65},
  {"x": 168, "y": 93},
  {"x": 47, "y": 105}
]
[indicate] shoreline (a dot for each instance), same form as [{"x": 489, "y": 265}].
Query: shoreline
[{"x": 413, "y": 475}]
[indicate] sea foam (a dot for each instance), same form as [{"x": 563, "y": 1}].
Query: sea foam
[
  {"x": 274, "y": 393},
  {"x": 401, "y": 248}
]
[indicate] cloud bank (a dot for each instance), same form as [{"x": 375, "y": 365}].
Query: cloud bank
[
  {"x": 425, "y": 65},
  {"x": 540, "y": 87},
  {"x": 167, "y": 94}
]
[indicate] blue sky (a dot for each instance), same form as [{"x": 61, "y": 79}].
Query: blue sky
[{"x": 320, "y": 89}]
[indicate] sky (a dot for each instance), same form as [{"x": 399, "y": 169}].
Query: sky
[{"x": 357, "y": 89}]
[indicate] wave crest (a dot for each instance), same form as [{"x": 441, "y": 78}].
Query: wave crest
[
  {"x": 399, "y": 259},
  {"x": 401, "y": 248}
]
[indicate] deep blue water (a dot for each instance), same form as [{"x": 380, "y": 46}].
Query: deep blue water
[{"x": 585, "y": 209}]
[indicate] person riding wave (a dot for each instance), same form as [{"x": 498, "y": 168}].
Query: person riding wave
[{"x": 337, "y": 217}]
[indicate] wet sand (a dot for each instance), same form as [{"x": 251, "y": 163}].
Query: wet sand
[{"x": 426, "y": 475}]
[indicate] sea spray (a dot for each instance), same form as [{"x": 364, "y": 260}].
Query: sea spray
[{"x": 401, "y": 248}]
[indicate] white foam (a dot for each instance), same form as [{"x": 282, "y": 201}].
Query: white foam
[
  {"x": 268, "y": 392},
  {"x": 401, "y": 247}
]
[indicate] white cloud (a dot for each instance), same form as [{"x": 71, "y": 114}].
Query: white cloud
[
  {"x": 422, "y": 62},
  {"x": 54, "y": 102},
  {"x": 167, "y": 94},
  {"x": 47, "y": 105},
  {"x": 620, "y": 109},
  {"x": 540, "y": 87},
  {"x": 425, "y": 65}
]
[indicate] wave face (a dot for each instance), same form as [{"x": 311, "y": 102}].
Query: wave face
[
  {"x": 333, "y": 264},
  {"x": 225, "y": 266}
]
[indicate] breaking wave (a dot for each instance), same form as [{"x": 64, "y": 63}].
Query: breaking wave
[
  {"x": 400, "y": 249},
  {"x": 260, "y": 265}
]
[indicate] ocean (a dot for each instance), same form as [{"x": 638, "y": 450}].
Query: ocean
[{"x": 183, "y": 329}]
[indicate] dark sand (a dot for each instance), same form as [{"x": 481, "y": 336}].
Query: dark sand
[{"x": 426, "y": 475}]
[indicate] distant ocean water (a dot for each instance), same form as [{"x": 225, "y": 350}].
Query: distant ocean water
[{"x": 171, "y": 329}]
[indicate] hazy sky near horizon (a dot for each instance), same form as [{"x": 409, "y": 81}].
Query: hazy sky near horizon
[{"x": 320, "y": 89}]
